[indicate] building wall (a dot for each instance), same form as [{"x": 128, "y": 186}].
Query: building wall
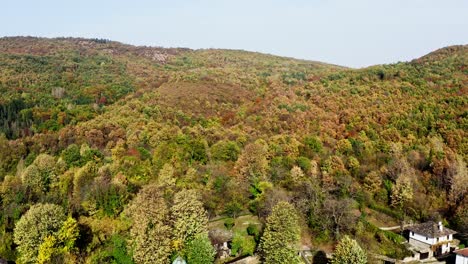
[
  {"x": 461, "y": 260},
  {"x": 428, "y": 240}
]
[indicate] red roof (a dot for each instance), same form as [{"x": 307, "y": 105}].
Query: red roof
[{"x": 463, "y": 252}]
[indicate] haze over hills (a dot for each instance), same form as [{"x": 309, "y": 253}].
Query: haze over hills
[{"x": 98, "y": 127}]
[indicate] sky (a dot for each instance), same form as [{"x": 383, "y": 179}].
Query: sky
[{"x": 353, "y": 33}]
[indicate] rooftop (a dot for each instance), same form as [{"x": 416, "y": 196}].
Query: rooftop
[
  {"x": 463, "y": 252},
  {"x": 431, "y": 229}
]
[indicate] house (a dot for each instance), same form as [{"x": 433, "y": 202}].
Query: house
[
  {"x": 461, "y": 256},
  {"x": 430, "y": 239}
]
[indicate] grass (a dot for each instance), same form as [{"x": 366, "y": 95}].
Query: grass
[{"x": 241, "y": 223}]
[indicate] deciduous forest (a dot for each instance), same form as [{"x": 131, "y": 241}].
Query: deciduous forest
[{"x": 112, "y": 153}]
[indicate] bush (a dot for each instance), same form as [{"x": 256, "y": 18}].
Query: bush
[
  {"x": 200, "y": 250},
  {"x": 229, "y": 223},
  {"x": 253, "y": 230},
  {"x": 244, "y": 245},
  {"x": 304, "y": 163}
]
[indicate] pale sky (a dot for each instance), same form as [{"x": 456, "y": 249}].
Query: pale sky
[{"x": 354, "y": 33}]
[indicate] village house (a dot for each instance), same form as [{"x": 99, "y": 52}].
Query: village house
[
  {"x": 461, "y": 256},
  {"x": 430, "y": 239}
]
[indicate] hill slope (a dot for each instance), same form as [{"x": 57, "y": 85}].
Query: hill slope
[{"x": 244, "y": 130}]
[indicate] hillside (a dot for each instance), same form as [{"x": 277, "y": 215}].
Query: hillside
[{"x": 95, "y": 125}]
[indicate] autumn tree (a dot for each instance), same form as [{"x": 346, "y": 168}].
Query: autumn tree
[
  {"x": 402, "y": 192},
  {"x": 344, "y": 146},
  {"x": 297, "y": 175},
  {"x": 40, "y": 174},
  {"x": 189, "y": 218},
  {"x": 338, "y": 213},
  {"x": 372, "y": 182},
  {"x": 459, "y": 182},
  {"x": 282, "y": 233},
  {"x": 348, "y": 251},
  {"x": 57, "y": 248},
  {"x": 166, "y": 176},
  {"x": 39, "y": 222},
  {"x": 252, "y": 164},
  {"x": 150, "y": 232}
]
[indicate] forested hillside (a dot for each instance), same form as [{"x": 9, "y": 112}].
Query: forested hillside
[{"x": 111, "y": 153}]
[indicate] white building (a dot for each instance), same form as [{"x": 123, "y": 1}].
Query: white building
[
  {"x": 430, "y": 239},
  {"x": 462, "y": 256}
]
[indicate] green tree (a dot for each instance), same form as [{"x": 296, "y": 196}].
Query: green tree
[
  {"x": 39, "y": 222},
  {"x": 71, "y": 155},
  {"x": 312, "y": 145},
  {"x": 200, "y": 250},
  {"x": 225, "y": 150},
  {"x": 282, "y": 233},
  {"x": 348, "y": 251},
  {"x": 189, "y": 218}
]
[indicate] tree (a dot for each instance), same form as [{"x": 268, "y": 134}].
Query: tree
[
  {"x": 39, "y": 222},
  {"x": 150, "y": 234},
  {"x": 344, "y": 146},
  {"x": 338, "y": 212},
  {"x": 348, "y": 251},
  {"x": 297, "y": 175},
  {"x": 312, "y": 145},
  {"x": 372, "y": 182},
  {"x": 459, "y": 182},
  {"x": 461, "y": 216},
  {"x": 189, "y": 218},
  {"x": 402, "y": 192},
  {"x": 166, "y": 176},
  {"x": 282, "y": 233},
  {"x": 71, "y": 155},
  {"x": 40, "y": 174},
  {"x": 225, "y": 150},
  {"x": 252, "y": 164},
  {"x": 59, "y": 245},
  {"x": 200, "y": 250}
]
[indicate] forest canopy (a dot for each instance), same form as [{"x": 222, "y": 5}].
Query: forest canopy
[{"x": 129, "y": 154}]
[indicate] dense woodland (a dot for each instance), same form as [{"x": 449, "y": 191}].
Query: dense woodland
[{"x": 111, "y": 153}]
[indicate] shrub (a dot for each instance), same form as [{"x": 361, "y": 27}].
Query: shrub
[
  {"x": 200, "y": 250},
  {"x": 304, "y": 163},
  {"x": 241, "y": 244},
  {"x": 229, "y": 223}
]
